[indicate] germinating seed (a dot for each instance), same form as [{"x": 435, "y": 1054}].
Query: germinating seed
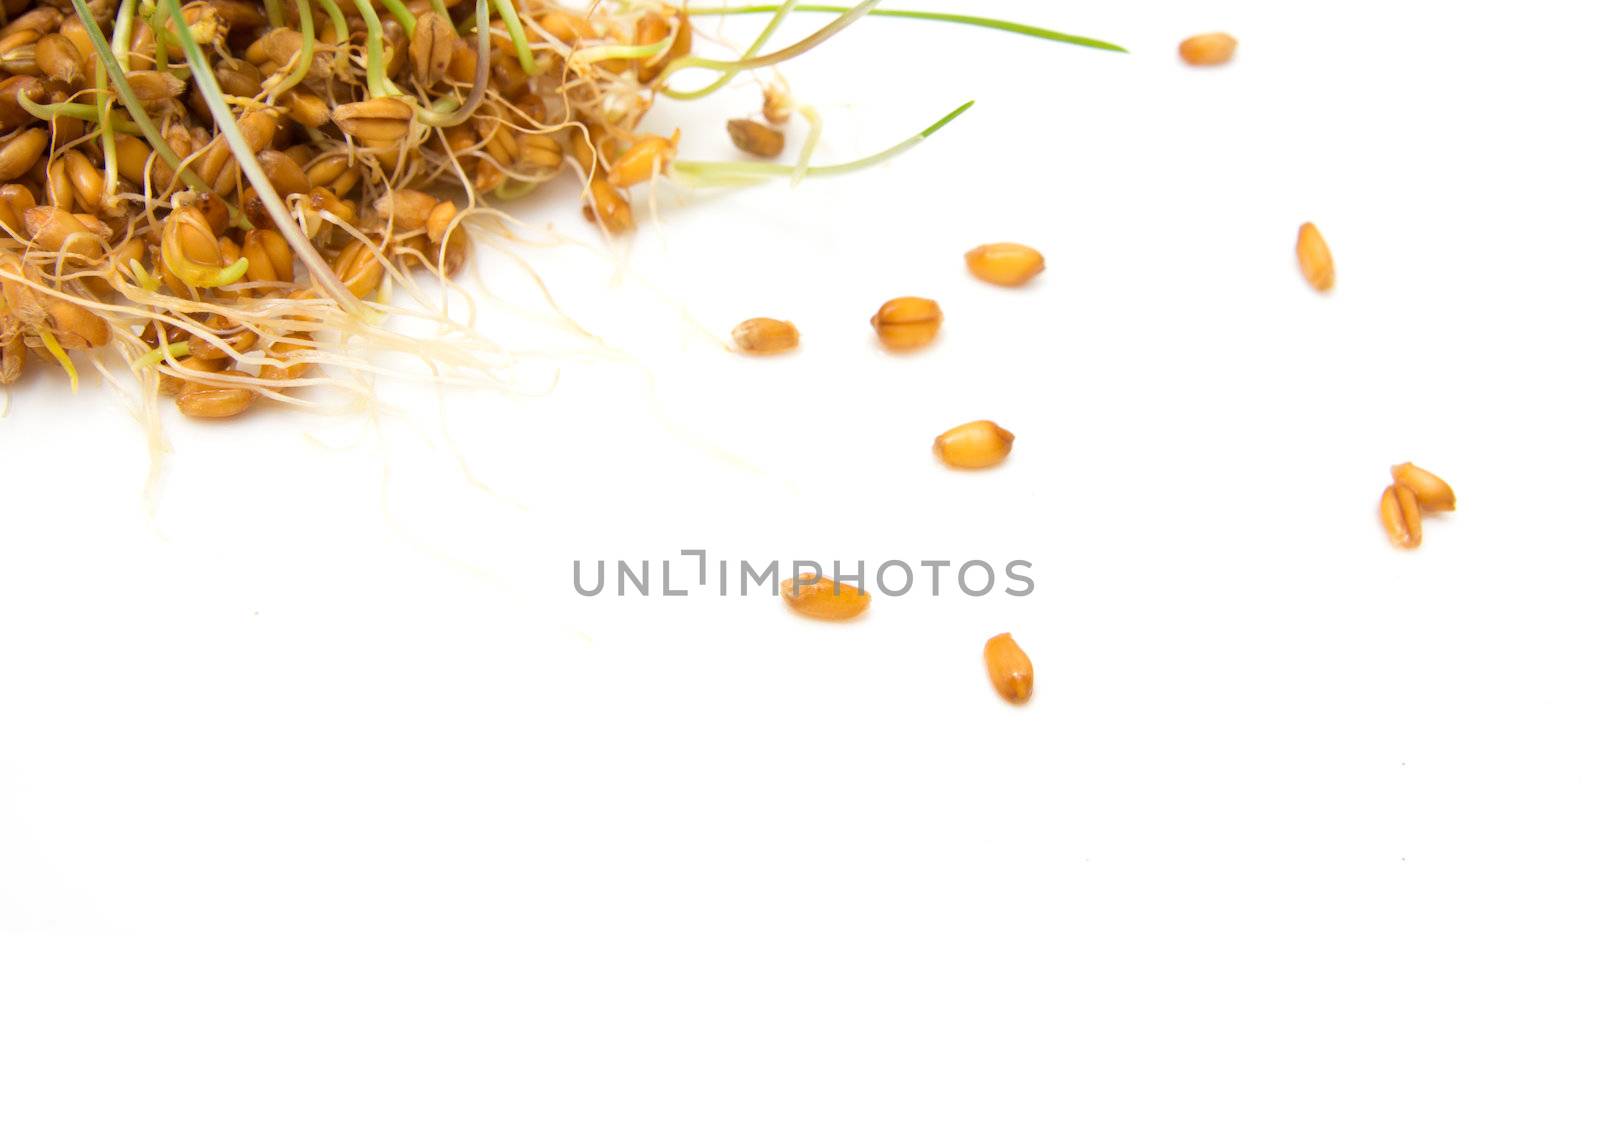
[
  {"x": 907, "y": 323},
  {"x": 439, "y": 220},
  {"x": 973, "y": 446},
  {"x": 1316, "y": 261},
  {"x": 1010, "y": 670},
  {"x": 56, "y": 57},
  {"x": 1004, "y": 264},
  {"x": 766, "y": 336},
  {"x": 644, "y": 160},
  {"x": 53, "y": 229},
  {"x": 1208, "y": 50},
  {"x": 608, "y": 207},
  {"x": 776, "y": 106},
  {"x": 654, "y": 28},
  {"x": 823, "y": 600}
]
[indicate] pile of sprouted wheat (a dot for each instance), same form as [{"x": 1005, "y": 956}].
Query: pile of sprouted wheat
[{"x": 225, "y": 192}]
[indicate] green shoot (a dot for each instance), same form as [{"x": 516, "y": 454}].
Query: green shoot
[
  {"x": 302, "y": 59},
  {"x": 911, "y": 14},
  {"x": 75, "y": 111},
  {"x": 119, "y": 80},
  {"x": 617, "y": 52},
  {"x": 400, "y": 12},
  {"x": 712, "y": 174},
  {"x": 211, "y": 91},
  {"x": 147, "y": 281},
  {"x": 169, "y": 352},
  {"x": 60, "y": 355},
  {"x": 798, "y": 48},
  {"x": 198, "y": 275},
  {"x": 108, "y": 144},
  {"x": 341, "y": 34},
  {"x": 519, "y": 38},
  {"x": 779, "y": 12},
  {"x": 122, "y": 32},
  {"x": 377, "y": 74},
  {"x": 161, "y": 51},
  {"x": 121, "y": 38}
]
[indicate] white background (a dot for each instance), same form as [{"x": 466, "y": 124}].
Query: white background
[{"x": 329, "y": 813}]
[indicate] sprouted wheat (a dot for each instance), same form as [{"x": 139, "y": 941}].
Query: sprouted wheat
[{"x": 222, "y": 191}]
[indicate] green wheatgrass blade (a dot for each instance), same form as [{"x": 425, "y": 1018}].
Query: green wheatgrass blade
[
  {"x": 377, "y": 74},
  {"x": 156, "y": 16},
  {"x": 60, "y": 355},
  {"x": 82, "y": 111},
  {"x": 147, "y": 281},
  {"x": 341, "y": 33},
  {"x": 200, "y": 276},
  {"x": 275, "y": 13},
  {"x": 798, "y": 48},
  {"x": 108, "y": 143},
  {"x": 121, "y": 39},
  {"x": 169, "y": 352},
  {"x": 400, "y": 12},
  {"x": 161, "y": 48},
  {"x": 617, "y": 52},
  {"x": 302, "y": 59},
  {"x": 779, "y": 11},
  {"x": 122, "y": 32},
  {"x": 519, "y": 38},
  {"x": 341, "y": 29},
  {"x": 229, "y": 274},
  {"x": 912, "y": 14},
  {"x": 708, "y": 174},
  {"x": 119, "y": 80},
  {"x": 211, "y": 91}
]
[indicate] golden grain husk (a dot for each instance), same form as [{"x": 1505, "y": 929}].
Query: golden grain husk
[
  {"x": 1401, "y": 516},
  {"x": 608, "y": 207},
  {"x": 375, "y": 121},
  {"x": 199, "y": 399},
  {"x": 1208, "y": 49},
  {"x": 1433, "y": 493},
  {"x": 763, "y": 336},
  {"x": 646, "y": 159},
  {"x": 908, "y": 323},
  {"x": 1010, "y": 669},
  {"x": 1316, "y": 261},
  {"x": 1004, "y": 264},
  {"x": 824, "y": 600},
  {"x": 433, "y": 42},
  {"x": 973, "y": 445},
  {"x": 755, "y": 138}
]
